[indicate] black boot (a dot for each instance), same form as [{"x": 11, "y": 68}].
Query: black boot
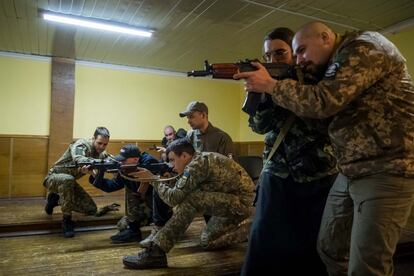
[
  {"x": 153, "y": 257},
  {"x": 131, "y": 234},
  {"x": 68, "y": 226},
  {"x": 51, "y": 202}
]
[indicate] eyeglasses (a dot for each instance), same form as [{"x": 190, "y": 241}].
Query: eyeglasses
[{"x": 276, "y": 54}]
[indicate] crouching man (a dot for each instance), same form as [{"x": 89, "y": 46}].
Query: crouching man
[{"x": 210, "y": 184}]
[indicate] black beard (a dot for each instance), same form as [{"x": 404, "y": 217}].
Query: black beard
[{"x": 315, "y": 75}]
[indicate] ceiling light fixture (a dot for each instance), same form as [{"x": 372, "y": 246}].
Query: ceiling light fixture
[{"x": 96, "y": 24}]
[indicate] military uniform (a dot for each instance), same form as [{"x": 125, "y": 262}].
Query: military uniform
[
  {"x": 291, "y": 194},
  {"x": 211, "y": 184},
  {"x": 212, "y": 140},
  {"x": 62, "y": 180},
  {"x": 139, "y": 208},
  {"x": 369, "y": 93}
]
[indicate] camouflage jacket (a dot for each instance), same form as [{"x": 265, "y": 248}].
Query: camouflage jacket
[
  {"x": 305, "y": 153},
  {"x": 79, "y": 151},
  {"x": 212, "y": 140},
  {"x": 369, "y": 93},
  {"x": 209, "y": 172}
]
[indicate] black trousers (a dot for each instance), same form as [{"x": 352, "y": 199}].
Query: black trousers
[
  {"x": 161, "y": 211},
  {"x": 285, "y": 227}
]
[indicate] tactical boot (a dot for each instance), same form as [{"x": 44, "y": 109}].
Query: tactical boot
[
  {"x": 68, "y": 227},
  {"x": 126, "y": 236},
  {"x": 51, "y": 202},
  {"x": 131, "y": 234},
  {"x": 152, "y": 257},
  {"x": 148, "y": 240}
]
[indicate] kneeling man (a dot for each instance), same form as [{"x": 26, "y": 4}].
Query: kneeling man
[{"x": 211, "y": 184}]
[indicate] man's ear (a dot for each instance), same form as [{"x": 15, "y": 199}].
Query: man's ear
[{"x": 325, "y": 37}]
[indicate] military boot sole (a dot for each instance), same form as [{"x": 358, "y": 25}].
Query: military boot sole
[{"x": 135, "y": 263}]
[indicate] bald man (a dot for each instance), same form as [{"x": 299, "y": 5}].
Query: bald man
[{"x": 364, "y": 86}]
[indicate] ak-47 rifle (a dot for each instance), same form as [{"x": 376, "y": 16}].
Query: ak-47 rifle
[
  {"x": 115, "y": 166},
  {"x": 278, "y": 71}
]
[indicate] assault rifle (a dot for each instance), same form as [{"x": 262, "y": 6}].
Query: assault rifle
[
  {"x": 278, "y": 71},
  {"x": 115, "y": 166}
]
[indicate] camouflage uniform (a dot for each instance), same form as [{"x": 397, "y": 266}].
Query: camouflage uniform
[
  {"x": 212, "y": 140},
  {"x": 139, "y": 207},
  {"x": 62, "y": 180},
  {"x": 291, "y": 195},
  {"x": 211, "y": 184},
  {"x": 369, "y": 93}
]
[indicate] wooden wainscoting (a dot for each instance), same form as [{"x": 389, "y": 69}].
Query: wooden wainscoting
[
  {"x": 249, "y": 148},
  {"x": 23, "y": 164}
]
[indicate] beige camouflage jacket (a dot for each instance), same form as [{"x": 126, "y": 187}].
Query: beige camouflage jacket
[
  {"x": 79, "y": 151},
  {"x": 209, "y": 172},
  {"x": 369, "y": 93}
]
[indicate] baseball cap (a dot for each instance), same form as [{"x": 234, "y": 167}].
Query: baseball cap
[
  {"x": 128, "y": 151},
  {"x": 194, "y": 106}
]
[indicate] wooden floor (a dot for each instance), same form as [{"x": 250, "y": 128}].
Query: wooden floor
[
  {"x": 40, "y": 251},
  {"x": 27, "y": 216},
  {"x": 91, "y": 253}
]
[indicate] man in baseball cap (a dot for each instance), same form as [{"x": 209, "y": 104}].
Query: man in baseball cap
[
  {"x": 128, "y": 151},
  {"x": 194, "y": 106}
]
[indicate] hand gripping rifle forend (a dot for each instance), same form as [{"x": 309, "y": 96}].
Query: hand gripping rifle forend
[
  {"x": 114, "y": 166},
  {"x": 278, "y": 71}
]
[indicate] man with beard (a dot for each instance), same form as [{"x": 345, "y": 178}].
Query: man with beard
[
  {"x": 364, "y": 84},
  {"x": 61, "y": 182},
  {"x": 293, "y": 186}
]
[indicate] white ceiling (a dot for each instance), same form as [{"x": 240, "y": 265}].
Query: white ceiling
[{"x": 186, "y": 31}]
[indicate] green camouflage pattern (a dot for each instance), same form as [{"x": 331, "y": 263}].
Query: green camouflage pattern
[
  {"x": 138, "y": 209},
  {"x": 305, "y": 153},
  {"x": 212, "y": 140},
  {"x": 214, "y": 185},
  {"x": 72, "y": 197},
  {"x": 62, "y": 180},
  {"x": 81, "y": 150},
  {"x": 369, "y": 92}
]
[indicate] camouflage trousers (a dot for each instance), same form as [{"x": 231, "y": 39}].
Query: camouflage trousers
[
  {"x": 362, "y": 223},
  {"x": 228, "y": 225},
  {"x": 72, "y": 197},
  {"x": 138, "y": 209}
]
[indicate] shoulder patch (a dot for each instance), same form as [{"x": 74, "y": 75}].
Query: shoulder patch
[
  {"x": 331, "y": 71},
  {"x": 186, "y": 174}
]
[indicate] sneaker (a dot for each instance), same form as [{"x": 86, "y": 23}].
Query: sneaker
[
  {"x": 51, "y": 202},
  {"x": 145, "y": 243},
  {"x": 68, "y": 227},
  {"x": 152, "y": 257},
  {"x": 127, "y": 235}
]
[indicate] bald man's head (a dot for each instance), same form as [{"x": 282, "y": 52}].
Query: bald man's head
[{"x": 313, "y": 45}]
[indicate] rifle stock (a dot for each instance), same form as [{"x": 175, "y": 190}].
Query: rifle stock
[{"x": 227, "y": 70}]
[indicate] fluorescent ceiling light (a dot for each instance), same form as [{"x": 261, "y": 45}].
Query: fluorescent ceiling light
[{"x": 95, "y": 24}]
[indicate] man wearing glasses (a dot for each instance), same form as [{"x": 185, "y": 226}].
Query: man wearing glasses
[{"x": 294, "y": 184}]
